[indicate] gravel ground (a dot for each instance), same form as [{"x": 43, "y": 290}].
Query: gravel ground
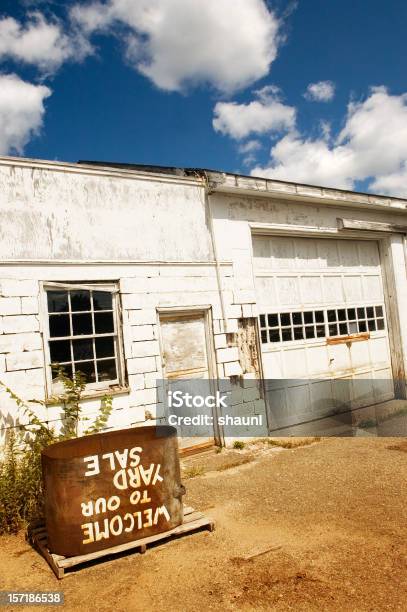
[{"x": 318, "y": 527}]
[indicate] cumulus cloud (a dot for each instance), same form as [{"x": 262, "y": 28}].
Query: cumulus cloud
[
  {"x": 250, "y": 146},
  {"x": 21, "y": 112},
  {"x": 263, "y": 115},
  {"x": 227, "y": 43},
  {"x": 39, "y": 42},
  {"x": 323, "y": 91},
  {"x": 371, "y": 146}
]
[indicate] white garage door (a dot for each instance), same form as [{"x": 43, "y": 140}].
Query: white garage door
[{"x": 323, "y": 326}]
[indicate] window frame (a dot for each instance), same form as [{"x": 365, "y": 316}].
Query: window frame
[
  {"x": 118, "y": 384},
  {"x": 326, "y": 324}
]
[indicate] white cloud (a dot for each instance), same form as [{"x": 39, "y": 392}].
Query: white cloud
[
  {"x": 226, "y": 43},
  {"x": 309, "y": 161},
  {"x": 250, "y": 146},
  {"x": 323, "y": 91},
  {"x": 248, "y": 150},
  {"x": 267, "y": 114},
  {"x": 21, "y": 112},
  {"x": 371, "y": 146},
  {"x": 394, "y": 183},
  {"x": 39, "y": 42}
]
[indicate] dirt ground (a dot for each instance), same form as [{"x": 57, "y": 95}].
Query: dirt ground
[{"x": 318, "y": 527}]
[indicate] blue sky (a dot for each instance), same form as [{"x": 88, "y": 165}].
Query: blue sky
[{"x": 211, "y": 83}]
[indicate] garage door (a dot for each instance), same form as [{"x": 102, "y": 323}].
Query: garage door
[{"x": 323, "y": 326}]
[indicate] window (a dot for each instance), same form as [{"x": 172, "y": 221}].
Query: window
[
  {"x": 311, "y": 324},
  {"x": 83, "y": 332}
]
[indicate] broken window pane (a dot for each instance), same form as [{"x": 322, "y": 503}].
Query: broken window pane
[
  {"x": 80, "y": 300},
  {"x": 106, "y": 369},
  {"x": 285, "y": 318},
  {"x": 104, "y": 347},
  {"x": 82, "y": 324},
  {"x": 104, "y": 322},
  {"x": 60, "y": 350},
  {"x": 272, "y": 320},
  {"x": 342, "y": 314},
  {"x": 331, "y": 315},
  {"x": 379, "y": 311},
  {"x": 102, "y": 300},
  {"x": 297, "y": 318},
  {"x": 286, "y": 334},
  {"x": 343, "y": 329},
  {"x": 82, "y": 349},
  {"x": 320, "y": 331},
  {"x": 362, "y": 326},
  {"x": 59, "y": 326},
  {"x": 88, "y": 369},
  {"x": 308, "y": 317},
  {"x": 57, "y": 301},
  {"x": 309, "y": 331},
  {"x": 274, "y": 335}
]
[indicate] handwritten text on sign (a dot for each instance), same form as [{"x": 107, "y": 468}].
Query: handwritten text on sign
[{"x": 129, "y": 476}]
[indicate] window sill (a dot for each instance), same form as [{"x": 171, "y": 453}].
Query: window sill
[{"x": 91, "y": 394}]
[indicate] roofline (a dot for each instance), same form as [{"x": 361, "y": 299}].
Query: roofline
[
  {"x": 98, "y": 170},
  {"x": 229, "y": 183},
  {"x": 263, "y": 187},
  {"x": 221, "y": 182}
]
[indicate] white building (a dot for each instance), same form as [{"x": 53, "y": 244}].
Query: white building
[{"x": 133, "y": 274}]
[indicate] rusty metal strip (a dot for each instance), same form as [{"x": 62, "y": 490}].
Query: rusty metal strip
[{"x": 351, "y": 338}]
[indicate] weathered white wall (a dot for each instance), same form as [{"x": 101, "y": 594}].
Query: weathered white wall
[
  {"x": 65, "y": 216},
  {"x": 60, "y": 214}
]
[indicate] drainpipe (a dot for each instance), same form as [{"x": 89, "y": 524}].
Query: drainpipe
[{"x": 208, "y": 190}]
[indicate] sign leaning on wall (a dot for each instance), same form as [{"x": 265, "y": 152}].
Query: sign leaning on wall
[{"x": 108, "y": 489}]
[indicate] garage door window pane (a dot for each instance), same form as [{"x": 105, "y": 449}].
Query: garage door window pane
[
  {"x": 286, "y": 334},
  {"x": 285, "y": 318},
  {"x": 308, "y": 317}
]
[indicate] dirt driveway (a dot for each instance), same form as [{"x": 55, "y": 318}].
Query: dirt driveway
[{"x": 320, "y": 527}]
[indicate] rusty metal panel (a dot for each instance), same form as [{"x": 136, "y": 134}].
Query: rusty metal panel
[{"x": 111, "y": 488}]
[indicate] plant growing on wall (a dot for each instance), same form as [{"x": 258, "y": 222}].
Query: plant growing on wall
[{"x": 21, "y": 486}]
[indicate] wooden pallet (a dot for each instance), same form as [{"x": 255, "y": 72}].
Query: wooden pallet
[{"x": 193, "y": 521}]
